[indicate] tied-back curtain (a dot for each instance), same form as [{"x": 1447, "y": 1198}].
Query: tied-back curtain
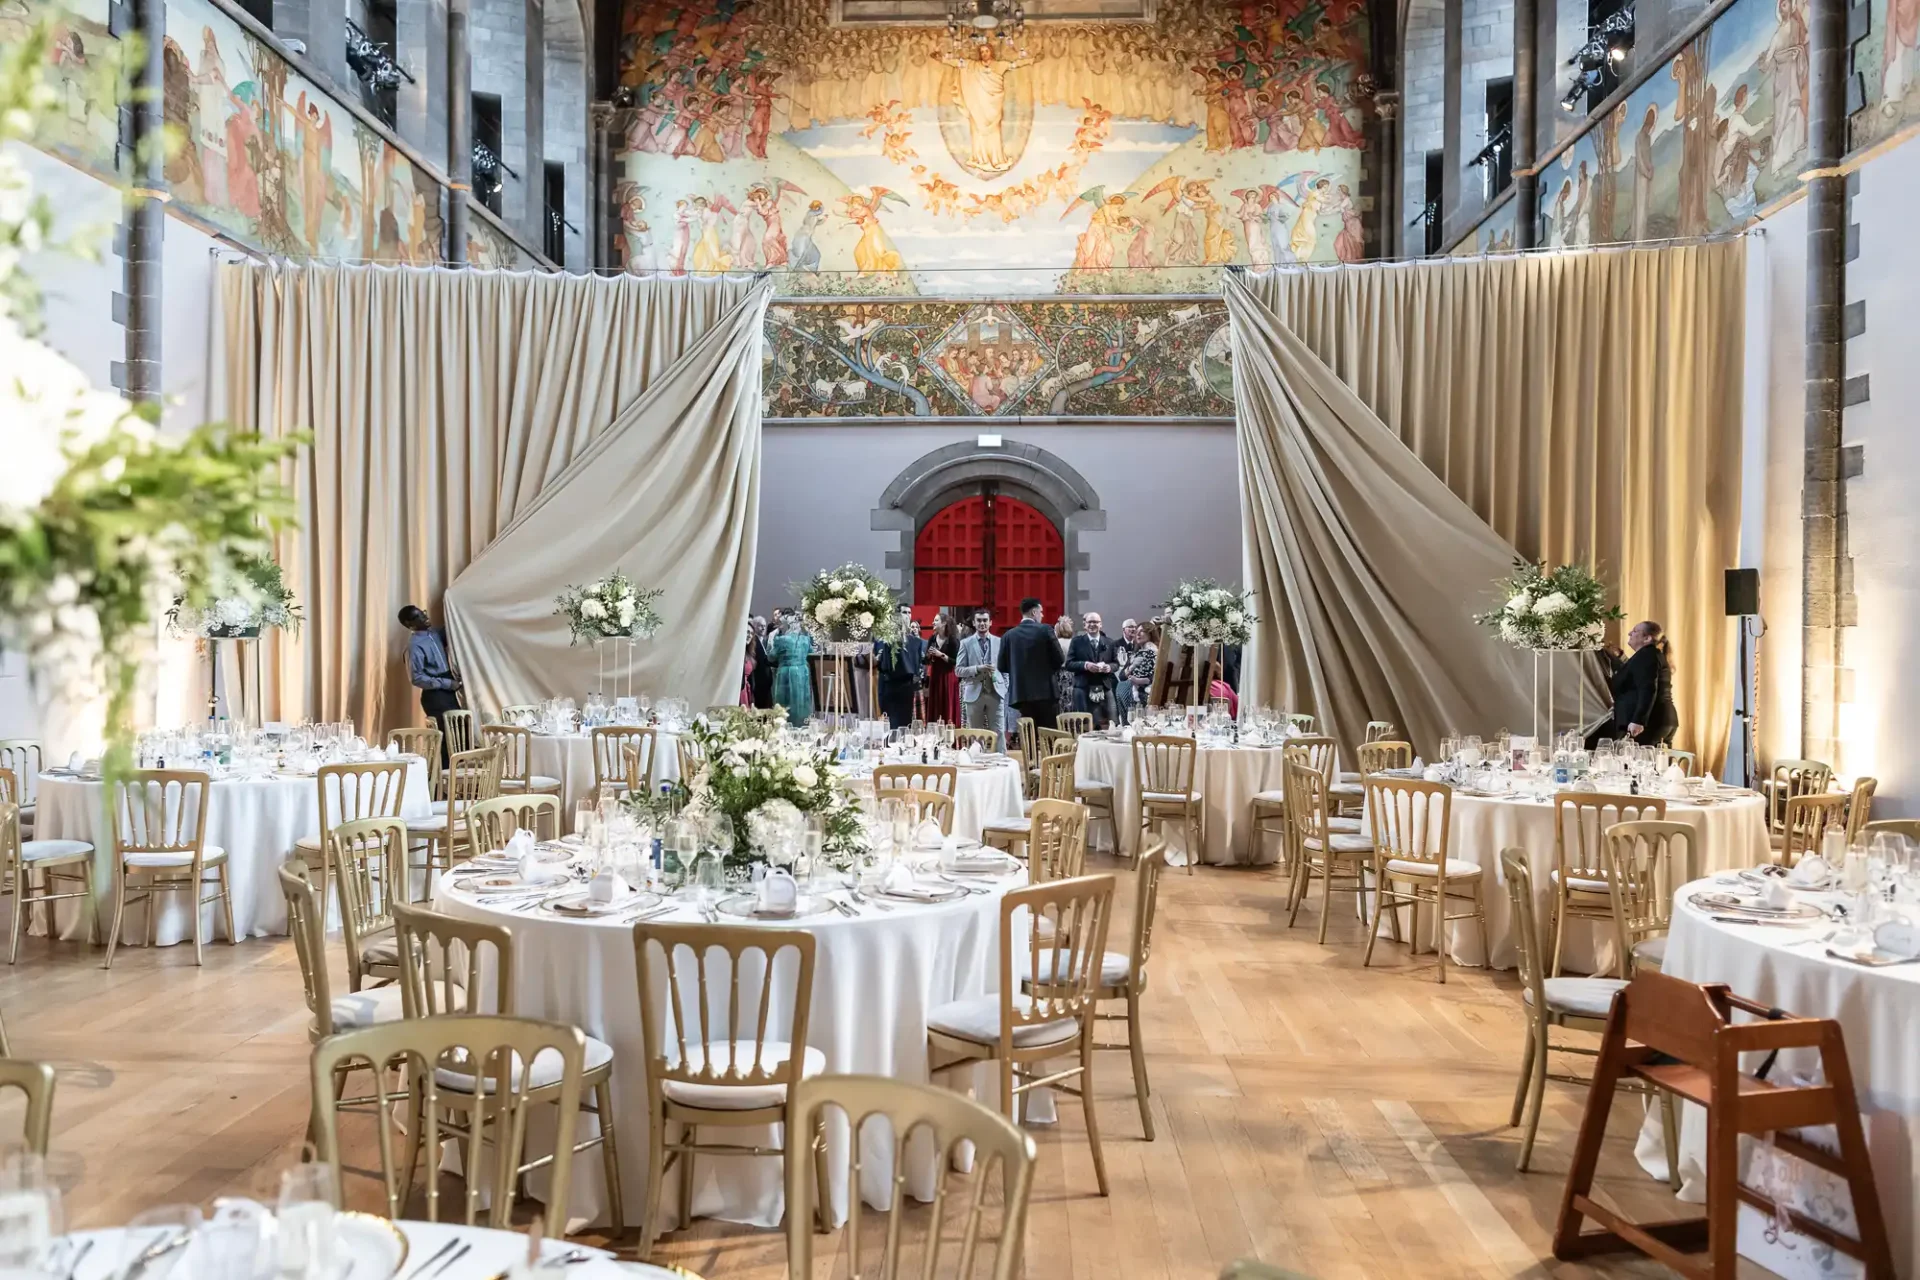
[
  {"x": 1586, "y": 406},
  {"x": 441, "y": 404}
]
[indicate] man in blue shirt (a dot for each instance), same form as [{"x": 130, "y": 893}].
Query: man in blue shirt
[{"x": 430, "y": 667}]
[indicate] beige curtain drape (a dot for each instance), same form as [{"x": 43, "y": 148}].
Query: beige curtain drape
[
  {"x": 441, "y": 404},
  {"x": 1586, "y": 406}
]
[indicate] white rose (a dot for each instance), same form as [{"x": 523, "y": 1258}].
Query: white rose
[
  {"x": 1182, "y": 614},
  {"x": 1235, "y": 617},
  {"x": 866, "y": 621},
  {"x": 233, "y": 612},
  {"x": 806, "y": 776},
  {"x": 739, "y": 771},
  {"x": 625, "y": 612},
  {"x": 595, "y": 588},
  {"x": 1519, "y": 603},
  {"x": 838, "y": 587}
]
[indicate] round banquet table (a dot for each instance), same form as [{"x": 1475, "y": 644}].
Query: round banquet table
[
  {"x": 1733, "y": 833},
  {"x": 256, "y": 820},
  {"x": 1787, "y": 967},
  {"x": 569, "y": 757},
  {"x": 487, "y": 1254},
  {"x": 1225, "y": 777},
  {"x": 877, "y": 976},
  {"x": 982, "y": 793}
]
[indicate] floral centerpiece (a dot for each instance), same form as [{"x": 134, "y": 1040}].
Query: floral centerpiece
[
  {"x": 251, "y": 596},
  {"x": 764, "y": 782},
  {"x": 850, "y": 603},
  {"x": 1202, "y": 612},
  {"x": 1563, "y": 608},
  {"x": 609, "y": 608},
  {"x": 99, "y": 512}
]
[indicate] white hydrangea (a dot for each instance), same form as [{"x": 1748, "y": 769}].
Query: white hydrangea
[
  {"x": 1520, "y": 603},
  {"x": 1551, "y": 604},
  {"x": 1182, "y": 614},
  {"x": 860, "y": 592},
  {"x": 866, "y": 621},
  {"x": 592, "y": 609},
  {"x": 1235, "y": 617}
]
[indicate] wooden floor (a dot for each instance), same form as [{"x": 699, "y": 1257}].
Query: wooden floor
[{"x": 1337, "y": 1121}]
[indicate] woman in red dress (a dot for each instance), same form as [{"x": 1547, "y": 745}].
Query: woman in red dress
[{"x": 943, "y": 687}]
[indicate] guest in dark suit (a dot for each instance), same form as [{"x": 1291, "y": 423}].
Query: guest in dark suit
[
  {"x": 902, "y": 666},
  {"x": 1029, "y": 655},
  {"x": 761, "y": 682},
  {"x": 1093, "y": 658},
  {"x": 1643, "y": 710}
]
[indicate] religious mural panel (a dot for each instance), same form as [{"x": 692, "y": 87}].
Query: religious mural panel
[
  {"x": 1887, "y": 62},
  {"x": 489, "y": 246},
  {"x": 1496, "y": 233},
  {"x": 270, "y": 159},
  {"x": 1137, "y": 357},
  {"x": 83, "y": 128},
  {"x": 1087, "y": 156},
  {"x": 1701, "y": 147}
]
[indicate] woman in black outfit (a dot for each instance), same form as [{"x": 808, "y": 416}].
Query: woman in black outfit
[{"x": 1643, "y": 691}]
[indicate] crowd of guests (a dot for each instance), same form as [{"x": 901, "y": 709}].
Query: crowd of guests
[{"x": 960, "y": 672}]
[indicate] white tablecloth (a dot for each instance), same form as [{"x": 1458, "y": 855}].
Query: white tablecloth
[
  {"x": 1226, "y": 778},
  {"x": 1733, "y": 833},
  {"x": 257, "y": 821},
  {"x": 488, "y": 1254},
  {"x": 569, "y": 757},
  {"x": 876, "y": 979},
  {"x": 981, "y": 794},
  {"x": 1878, "y": 1011}
]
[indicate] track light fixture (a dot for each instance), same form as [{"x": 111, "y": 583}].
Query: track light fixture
[{"x": 1606, "y": 47}]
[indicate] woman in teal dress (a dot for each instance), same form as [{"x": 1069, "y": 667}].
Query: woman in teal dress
[{"x": 792, "y": 682}]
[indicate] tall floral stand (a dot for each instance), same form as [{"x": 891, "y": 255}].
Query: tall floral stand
[
  {"x": 246, "y": 644},
  {"x": 1551, "y": 657},
  {"x": 623, "y": 656}
]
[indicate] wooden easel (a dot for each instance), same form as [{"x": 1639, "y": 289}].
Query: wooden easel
[
  {"x": 1173, "y": 674},
  {"x": 1681, "y": 1038}
]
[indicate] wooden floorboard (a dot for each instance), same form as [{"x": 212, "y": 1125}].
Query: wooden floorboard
[{"x": 1334, "y": 1120}]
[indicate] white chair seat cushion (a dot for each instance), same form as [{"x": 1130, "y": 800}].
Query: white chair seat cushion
[
  {"x": 365, "y": 1008},
  {"x": 381, "y": 948},
  {"x": 307, "y": 844},
  {"x": 42, "y": 850},
  {"x": 1352, "y": 790},
  {"x": 1093, "y": 788},
  {"x": 541, "y": 782},
  {"x": 1345, "y": 826},
  {"x": 1115, "y": 967},
  {"x": 741, "y": 1058},
  {"x": 1165, "y": 797},
  {"x": 548, "y": 1066},
  {"x": 210, "y": 854},
  {"x": 1346, "y": 778},
  {"x": 1581, "y": 884},
  {"x": 1582, "y": 997},
  {"x": 1344, "y": 843},
  {"x": 1275, "y": 796},
  {"x": 1457, "y": 868},
  {"x": 978, "y": 1020},
  {"x": 432, "y": 824},
  {"x": 1008, "y": 826},
  {"x": 1651, "y": 950},
  {"x": 438, "y": 807}
]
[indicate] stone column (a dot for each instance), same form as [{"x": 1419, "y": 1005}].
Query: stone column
[
  {"x": 1526, "y": 98},
  {"x": 143, "y": 227},
  {"x": 459, "y": 131}
]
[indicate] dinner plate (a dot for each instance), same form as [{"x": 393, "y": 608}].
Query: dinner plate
[
  {"x": 746, "y": 906},
  {"x": 584, "y": 907},
  {"x": 1732, "y": 904},
  {"x": 1757, "y": 875},
  {"x": 509, "y": 882},
  {"x": 933, "y": 894}
]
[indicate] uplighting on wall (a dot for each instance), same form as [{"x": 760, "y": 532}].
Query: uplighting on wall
[{"x": 1597, "y": 61}]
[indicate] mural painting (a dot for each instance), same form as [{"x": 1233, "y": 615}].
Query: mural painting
[
  {"x": 1496, "y": 233},
  {"x": 1023, "y": 357},
  {"x": 1887, "y": 64},
  {"x": 1701, "y": 147},
  {"x": 1093, "y": 156},
  {"x": 489, "y": 246},
  {"x": 83, "y": 128},
  {"x": 274, "y": 162}
]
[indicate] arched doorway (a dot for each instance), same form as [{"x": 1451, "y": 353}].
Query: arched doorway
[{"x": 989, "y": 550}]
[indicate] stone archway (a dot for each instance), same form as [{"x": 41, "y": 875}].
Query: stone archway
[{"x": 1041, "y": 479}]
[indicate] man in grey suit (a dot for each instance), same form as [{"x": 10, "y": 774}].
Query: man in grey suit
[{"x": 983, "y": 689}]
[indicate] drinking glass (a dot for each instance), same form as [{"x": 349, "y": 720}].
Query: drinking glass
[
  {"x": 709, "y": 880},
  {"x": 585, "y": 817}
]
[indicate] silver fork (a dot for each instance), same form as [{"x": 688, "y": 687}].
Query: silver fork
[{"x": 865, "y": 901}]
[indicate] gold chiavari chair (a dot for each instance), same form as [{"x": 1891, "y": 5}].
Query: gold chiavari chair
[
  {"x": 1382, "y": 754},
  {"x": 1020, "y": 1031},
  {"x": 1379, "y": 731},
  {"x": 1054, "y": 742},
  {"x": 690, "y": 755},
  {"x": 159, "y": 834},
  {"x": 1646, "y": 862},
  {"x": 926, "y": 804},
  {"x": 455, "y": 967},
  {"x": 1074, "y": 723},
  {"x": 460, "y": 731},
  {"x": 950, "y": 1120},
  {"x": 516, "y": 759},
  {"x": 424, "y": 743},
  {"x": 610, "y": 742},
  {"x": 53, "y": 863},
  {"x": 429, "y": 1051},
  {"x": 1686, "y": 760},
  {"x": 1319, "y": 852},
  {"x": 348, "y": 793},
  {"x": 1579, "y": 874},
  {"x": 1163, "y": 769},
  {"x": 918, "y": 777},
  {"x": 9, "y": 787},
  {"x": 1027, "y": 733},
  {"x": 716, "y": 1064},
  {"x": 1792, "y": 778},
  {"x": 1908, "y": 827},
  {"x": 370, "y": 862},
  {"x": 492, "y": 822},
  {"x": 1860, "y": 807},
  {"x": 1056, "y": 783},
  {"x": 639, "y": 772},
  {"x": 508, "y": 712},
  {"x": 1123, "y": 975},
  {"x": 1321, "y": 753},
  {"x": 472, "y": 776},
  {"x": 1576, "y": 1004},
  {"x": 24, "y": 757},
  {"x": 1056, "y": 841},
  {"x": 986, "y": 739},
  {"x": 1808, "y": 820},
  {"x": 34, "y": 1080},
  {"x": 1412, "y": 825}
]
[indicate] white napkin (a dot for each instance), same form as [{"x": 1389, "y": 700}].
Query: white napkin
[
  {"x": 1675, "y": 774},
  {"x": 608, "y": 886},
  {"x": 778, "y": 892},
  {"x": 1812, "y": 869},
  {"x": 1419, "y": 766},
  {"x": 899, "y": 882},
  {"x": 1777, "y": 895},
  {"x": 74, "y": 762},
  {"x": 1898, "y": 938},
  {"x": 520, "y": 845},
  {"x": 1433, "y": 773},
  {"x": 928, "y": 836}
]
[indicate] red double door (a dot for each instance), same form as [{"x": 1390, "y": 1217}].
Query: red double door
[{"x": 988, "y": 551}]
